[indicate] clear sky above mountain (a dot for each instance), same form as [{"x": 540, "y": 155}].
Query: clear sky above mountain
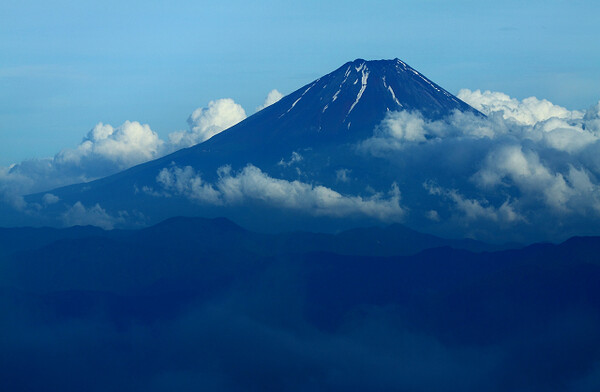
[{"x": 66, "y": 65}]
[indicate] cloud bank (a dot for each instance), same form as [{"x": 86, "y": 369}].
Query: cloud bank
[
  {"x": 523, "y": 156},
  {"x": 527, "y": 112},
  {"x": 251, "y": 183}
]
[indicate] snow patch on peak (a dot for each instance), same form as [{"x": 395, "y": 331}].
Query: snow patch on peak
[
  {"x": 403, "y": 64},
  {"x": 426, "y": 80},
  {"x": 391, "y": 90},
  {"x": 298, "y": 100},
  {"x": 347, "y": 72},
  {"x": 363, "y": 87},
  {"x": 336, "y": 95}
]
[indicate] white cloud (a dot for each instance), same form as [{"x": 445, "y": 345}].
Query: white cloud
[
  {"x": 294, "y": 158},
  {"x": 206, "y": 122},
  {"x": 341, "y": 175},
  {"x": 49, "y": 198},
  {"x": 473, "y": 209},
  {"x": 535, "y": 153},
  {"x": 592, "y": 119},
  {"x": 534, "y": 120},
  {"x": 253, "y": 184},
  {"x": 79, "y": 215},
  {"x": 433, "y": 215},
  {"x": 527, "y": 112},
  {"x": 561, "y": 135},
  {"x": 121, "y": 147},
  {"x": 272, "y": 97},
  {"x": 187, "y": 182},
  {"x": 106, "y": 150},
  {"x": 13, "y": 200},
  {"x": 512, "y": 166},
  {"x": 402, "y": 129}
]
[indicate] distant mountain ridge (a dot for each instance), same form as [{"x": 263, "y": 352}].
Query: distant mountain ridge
[
  {"x": 221, "y": 234},
  {"x": 214, "y": 294}
]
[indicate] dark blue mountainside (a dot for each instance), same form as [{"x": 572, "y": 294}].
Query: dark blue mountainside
[
  {"x": 310, "y": 136},
  {"x": 195, "y": 303},
  {"x": 343, "y": 106}
]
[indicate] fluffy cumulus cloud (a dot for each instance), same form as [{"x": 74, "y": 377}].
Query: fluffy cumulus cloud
[
  {"x": 572, "y": 190},
  {"x": 523, "y": 155},
  {"x": 403, "y": 129},
  {"x": 253, "y": 184},
  {"x": 528, "y": 111},
  {"x": 106, "y": 150},
  {"x": 272, "y": 97},
  {"x": 537, "y": 121},
  {"x": 120, "y": 147},
  {"x": 206, "y": 122}
]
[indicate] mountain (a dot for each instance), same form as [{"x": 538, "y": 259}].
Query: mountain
[
  {"x": 198, "y": 300},
  {"x": 306, "y": 144},
  {"x": 185, "y": 237},
  {"x": 191, "y": 300},
  {"x": 340, "y": 107}
]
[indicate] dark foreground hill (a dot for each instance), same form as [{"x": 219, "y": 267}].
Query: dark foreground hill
[{"x": 204, "y": 304}]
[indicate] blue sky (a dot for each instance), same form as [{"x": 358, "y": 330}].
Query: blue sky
[{"x": 67, "y": 65}]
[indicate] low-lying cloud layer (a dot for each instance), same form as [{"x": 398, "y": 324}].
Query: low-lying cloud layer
[
  {"x": 251, "y": 183},
  {"x": 523, "y": 156}
]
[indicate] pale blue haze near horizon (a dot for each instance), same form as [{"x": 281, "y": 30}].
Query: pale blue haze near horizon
[{"x": 67, "y": 65}]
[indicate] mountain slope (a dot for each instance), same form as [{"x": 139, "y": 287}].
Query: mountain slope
[
  {"x": 319, "y": 125},
  {"x": 343, "y": 106}
]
